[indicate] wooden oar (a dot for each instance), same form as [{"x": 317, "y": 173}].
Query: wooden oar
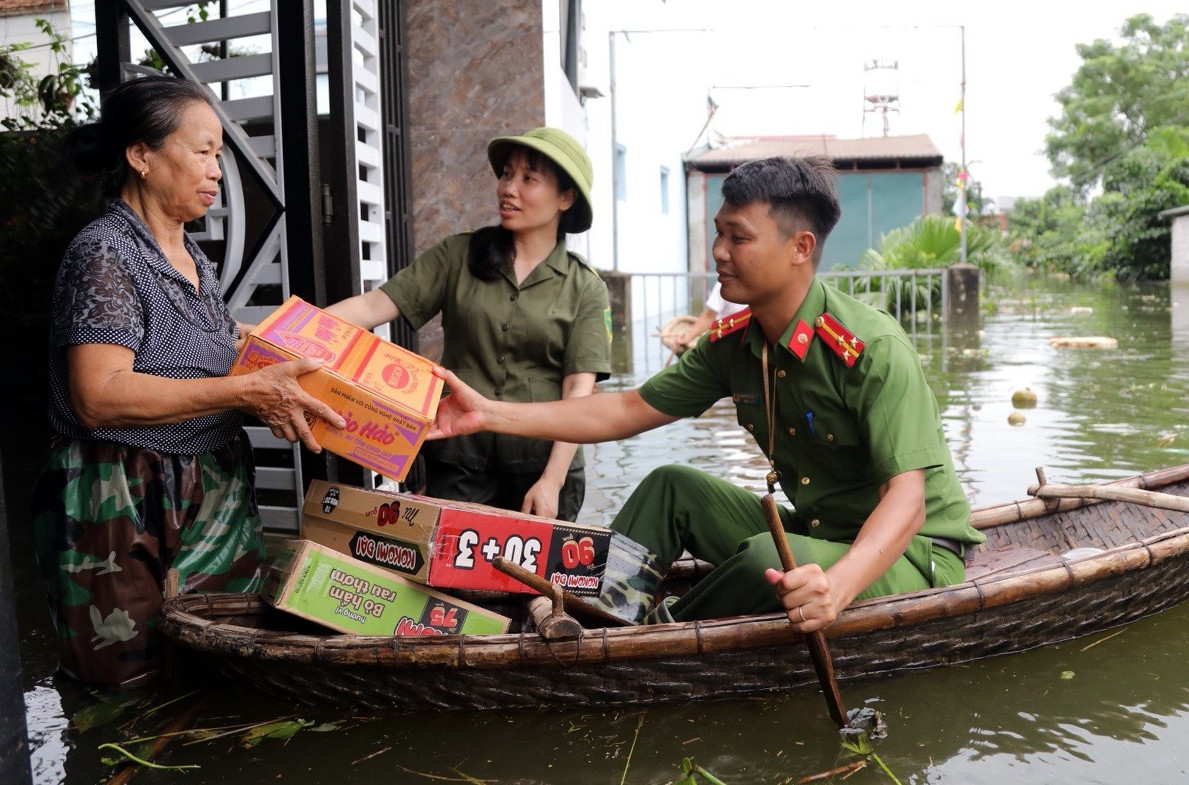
[
  {"x": 819, "y": 652},
  {"x": 1164, "y": 501},
  {"x": 571, "y": 602}
]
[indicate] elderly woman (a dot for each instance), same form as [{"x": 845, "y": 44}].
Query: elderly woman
[
  {"x": 150, "y": 475},
  {"x": 523, "y": 319}
]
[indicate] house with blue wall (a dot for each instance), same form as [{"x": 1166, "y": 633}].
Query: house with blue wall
[{"x": 884, "y": 183}]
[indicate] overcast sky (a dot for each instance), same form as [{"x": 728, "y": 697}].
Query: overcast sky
[
  {"x": 787, "y": 67},
  {"x": 1017, "y": 55}
]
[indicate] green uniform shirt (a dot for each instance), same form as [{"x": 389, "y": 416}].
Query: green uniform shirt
[
  {"x": 842, "y": 432},
  {"x": 510, "y": 342}
]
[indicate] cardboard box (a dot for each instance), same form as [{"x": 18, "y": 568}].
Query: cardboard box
[
  {"x": 345, "y": 594},
  {"x": 450, "y": 544},
  {"x": 387, "y": 394}
]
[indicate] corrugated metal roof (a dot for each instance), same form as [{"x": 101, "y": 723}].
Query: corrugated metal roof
[{"x": 917, "y": 148}]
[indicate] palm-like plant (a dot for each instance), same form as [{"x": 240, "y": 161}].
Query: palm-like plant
[
  {"x": 936, "y": 241},
  {"x": 929, "y": 242}
]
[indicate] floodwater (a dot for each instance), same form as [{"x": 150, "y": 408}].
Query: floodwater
[{"x": 1107, "y": 709}]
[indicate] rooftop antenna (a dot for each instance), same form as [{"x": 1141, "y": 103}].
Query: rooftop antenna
[{"x": 881, "y": 90}]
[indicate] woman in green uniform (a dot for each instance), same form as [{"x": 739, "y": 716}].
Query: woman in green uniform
[{"x": 523, "y": 319}]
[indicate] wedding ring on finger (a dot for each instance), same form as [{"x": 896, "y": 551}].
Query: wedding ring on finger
[{"x": 802, "y": 612}]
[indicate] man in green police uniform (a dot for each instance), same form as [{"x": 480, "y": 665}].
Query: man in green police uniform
[{"x": 858, "y": 445}]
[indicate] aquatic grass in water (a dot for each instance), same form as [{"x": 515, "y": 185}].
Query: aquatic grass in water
[{"x": 692, "y": 772}]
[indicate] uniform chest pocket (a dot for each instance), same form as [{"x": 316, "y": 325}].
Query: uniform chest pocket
[
  {"x": 831, "y": 430},
  {"x": 749, "y": 410}
]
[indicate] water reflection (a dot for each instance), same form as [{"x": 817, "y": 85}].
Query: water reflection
[
  {"x": 1178, "y": 306},
  {"x": 48, "y": 733},
  {"x": 1101, "y": 413}
]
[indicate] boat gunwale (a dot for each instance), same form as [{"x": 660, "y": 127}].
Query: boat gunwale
[{"x": 184, "y": 621}]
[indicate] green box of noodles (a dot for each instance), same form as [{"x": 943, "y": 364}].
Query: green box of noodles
[{"x": 316, "y": 583}]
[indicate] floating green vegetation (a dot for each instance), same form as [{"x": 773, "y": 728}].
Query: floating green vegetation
[
  {"x": 692, "y": 772},
  {"x": 141, "y": 750}
]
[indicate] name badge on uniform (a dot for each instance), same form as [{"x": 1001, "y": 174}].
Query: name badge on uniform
[{"x": 746, "y": 399}]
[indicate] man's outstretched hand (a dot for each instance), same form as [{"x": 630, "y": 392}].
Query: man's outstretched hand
[{"x": 462, "y": 411}]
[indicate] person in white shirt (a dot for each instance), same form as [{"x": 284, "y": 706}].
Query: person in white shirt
[{"x": 716, "y": 308}]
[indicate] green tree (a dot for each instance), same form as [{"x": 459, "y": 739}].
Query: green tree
[
  {"x": 936, "y": 241},
  {"x": 51, "y": 101},
  {"x": 1136, "y": 188},
  {"x": 1119, "y": 95},
  {"x": 1122, "y": 142},
  {"x": 1052, "y": 233}
]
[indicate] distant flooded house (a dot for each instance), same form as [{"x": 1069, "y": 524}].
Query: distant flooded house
[
  {"x": 1179, "y": 262},
  {"x": 884, "y": 183}
]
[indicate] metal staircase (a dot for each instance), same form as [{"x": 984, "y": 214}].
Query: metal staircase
[{"x": 269, "y": 219}]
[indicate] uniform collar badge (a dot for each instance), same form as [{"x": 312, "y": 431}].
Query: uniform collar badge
[{"x": 801, "y": 338}]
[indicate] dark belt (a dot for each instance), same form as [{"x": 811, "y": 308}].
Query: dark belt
[{"x": 953, "y": 546}]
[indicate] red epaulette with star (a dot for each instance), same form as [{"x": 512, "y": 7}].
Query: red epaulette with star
[
  {"x": 840, "y": 340},
  {"x": 729, "y": 324}
]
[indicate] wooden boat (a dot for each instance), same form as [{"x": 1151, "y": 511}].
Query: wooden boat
[{"x": 1126, "y": 560}]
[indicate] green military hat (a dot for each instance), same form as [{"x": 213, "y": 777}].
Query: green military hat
[{"x": 559, "y": 147}]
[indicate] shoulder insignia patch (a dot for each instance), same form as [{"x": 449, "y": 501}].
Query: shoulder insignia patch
[
  {"x": 801, "y": 338},
  {"x": 840, "y": 340},
  {"x": 729, "y": 324},
  {"x": 581, "y": 260}
]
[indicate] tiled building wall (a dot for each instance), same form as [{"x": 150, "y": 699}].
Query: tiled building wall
[{"x": 475, "y": 72}]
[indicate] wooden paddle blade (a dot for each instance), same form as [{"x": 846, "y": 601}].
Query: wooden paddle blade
[
  {"x": 819, "y": 651},
  {"x": 823, "y": 664}
]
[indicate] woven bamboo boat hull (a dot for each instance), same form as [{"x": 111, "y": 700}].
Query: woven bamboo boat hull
[{"x": 1022, "y": 593}]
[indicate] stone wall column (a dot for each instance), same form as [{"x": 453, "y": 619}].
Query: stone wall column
[
  {"x": 619, "y": 293},
  {"x": 476, "y": 71},
  {"x": 961, "y": 307}
]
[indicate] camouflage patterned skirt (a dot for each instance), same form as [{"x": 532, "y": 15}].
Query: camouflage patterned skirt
[{"x": 111, "y": 524}]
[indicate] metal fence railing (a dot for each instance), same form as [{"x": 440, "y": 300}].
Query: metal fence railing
[{"x": 916, "y": 298}]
